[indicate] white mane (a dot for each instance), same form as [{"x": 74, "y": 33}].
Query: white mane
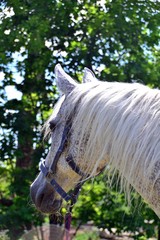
[{"x": 118, "y": 122}]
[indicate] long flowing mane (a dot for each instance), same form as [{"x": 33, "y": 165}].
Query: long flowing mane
[{"x": 118, "y": 121}]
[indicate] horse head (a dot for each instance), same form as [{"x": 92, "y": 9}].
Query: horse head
[{"x": 65, "y": 174}]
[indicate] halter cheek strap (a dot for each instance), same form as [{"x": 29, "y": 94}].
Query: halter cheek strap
[{"x": 75, "y": 168}]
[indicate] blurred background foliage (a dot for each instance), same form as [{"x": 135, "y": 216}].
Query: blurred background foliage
[{"x": 119, "y": 40}]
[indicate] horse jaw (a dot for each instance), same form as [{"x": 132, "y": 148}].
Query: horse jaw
[{"x": 64, "y": 82}]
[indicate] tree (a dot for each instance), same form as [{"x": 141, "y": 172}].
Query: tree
[
  {"x": 118, "y": 39},
  {"x": 107, "y": 208}
]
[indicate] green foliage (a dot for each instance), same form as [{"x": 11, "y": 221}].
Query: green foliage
[
  {"x": 108, "y": 208},
  {"x": 118, "y": 39},
  {"x": 87, "y": 236}
]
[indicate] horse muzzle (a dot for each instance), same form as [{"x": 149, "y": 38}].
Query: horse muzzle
[{"x": 44, "y": 198}]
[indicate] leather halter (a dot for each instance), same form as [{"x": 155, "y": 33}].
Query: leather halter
[{"x": 49, "y": 172}]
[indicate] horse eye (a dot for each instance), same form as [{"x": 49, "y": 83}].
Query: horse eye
[{"x": 52, "y": 125}]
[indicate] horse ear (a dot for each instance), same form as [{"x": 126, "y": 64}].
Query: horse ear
[
  {"x": 88, "y": 76},
  {"x": 64, "y": 82}
]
